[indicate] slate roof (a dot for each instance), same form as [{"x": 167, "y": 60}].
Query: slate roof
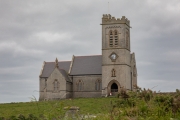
[
  {"x": 87, "y": 65},
  {"x": 49, "y": 67},
  {"x": 64, "y": 73},
  {"x": 81, "y": 65}
]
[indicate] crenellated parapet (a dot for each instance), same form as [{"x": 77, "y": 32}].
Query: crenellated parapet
[{"x": 108, "y": 19}]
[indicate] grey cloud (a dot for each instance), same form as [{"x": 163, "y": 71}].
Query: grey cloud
[{"x": 37, "y": 31}]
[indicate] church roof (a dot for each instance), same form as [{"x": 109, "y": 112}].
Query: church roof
[
  {"x": 64, "y": 73},
  {"x": 86, "y": 65},
  {"x": 81, "y": 65},
  {"x": 49, "y": 67}
]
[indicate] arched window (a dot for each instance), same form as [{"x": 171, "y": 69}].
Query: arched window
[
  {"x": 45, "y": 83},
  {"x": 113, "y": 73},
  {"x": 127, "y": 40},
  {"x": 98, "y": 85},
  {"x": 134, "y": 71},
  {"x": 79, "y": 85},
  {"x": 110, "y": 38},
  {"x": 115, "y": 38},
  {"x": 55, "y": 85}
]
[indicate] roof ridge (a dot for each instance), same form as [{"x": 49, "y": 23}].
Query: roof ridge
[
  {"x": 58, "y": 61},
  {"x": 65, "y": 61},
  {"x": 88, "y": 56}
]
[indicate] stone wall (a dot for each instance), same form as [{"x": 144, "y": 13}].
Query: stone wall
[
  {"x": 88, "y": 87},
  {"x": 86, "y": 94},
  {"x": 47, "y": 88},
  {"x": 121, "y": 65},
  {"x": 69, "y": 89}
]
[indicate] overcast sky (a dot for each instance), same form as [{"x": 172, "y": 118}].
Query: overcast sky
[{"x": 33, "y": 31}]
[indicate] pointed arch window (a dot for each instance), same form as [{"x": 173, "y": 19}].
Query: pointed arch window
[
  {"x": 45, "y": 83},
  {"x": 113, "y": 38},
  {"x": 110, "y": 38},
  {"x": 127, "y": 39},
  {"x": 98, "y": 85},
  {"x": 56, "y": 85},
  {"x": 113, "y": 73},
  {"x": 134, "y": 71},
  {"x": 79, "y": 85}
]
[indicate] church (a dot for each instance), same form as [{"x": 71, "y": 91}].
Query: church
[{"x": 93, "y": 75}]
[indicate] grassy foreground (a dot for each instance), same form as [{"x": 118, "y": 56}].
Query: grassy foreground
[
  {"x": 141, "y": 105},
  {"x": 87, "y": 106}
]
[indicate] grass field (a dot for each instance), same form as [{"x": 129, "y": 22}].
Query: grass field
[
  {"x": 87, "y": 106},
  {"x": 141, "y": 105}
]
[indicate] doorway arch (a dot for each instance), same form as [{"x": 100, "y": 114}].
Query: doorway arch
[{"x": 113, "y": 87}]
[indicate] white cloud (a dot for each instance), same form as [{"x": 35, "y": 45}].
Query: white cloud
[
  {"x": 6, "y": 46},
  {"x": 53, "y": 37}
]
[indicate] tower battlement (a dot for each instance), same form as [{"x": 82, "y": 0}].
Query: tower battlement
[{"x": 108, "y": 19}]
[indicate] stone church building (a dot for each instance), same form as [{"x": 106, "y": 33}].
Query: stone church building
[{"x": 93, "y": 75}]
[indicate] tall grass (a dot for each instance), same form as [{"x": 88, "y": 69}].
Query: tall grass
[{"x": 139, "y": 105}]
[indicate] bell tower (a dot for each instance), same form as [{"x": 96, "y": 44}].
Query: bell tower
[{"x": 116, "y": 57}]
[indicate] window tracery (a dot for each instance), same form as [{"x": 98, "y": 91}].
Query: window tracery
[
  {"x": 55, "y": 85},
  {"x": 113, "y": 38}
]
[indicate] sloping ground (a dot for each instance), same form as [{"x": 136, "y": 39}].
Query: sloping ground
[
  {"x": 141, "y": 105},
  {"x": 87, "y": 106}
]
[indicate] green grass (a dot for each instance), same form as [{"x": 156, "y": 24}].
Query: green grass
[
  {"x": 141, "y": 105},
  {"x": 87, "y": 106}
]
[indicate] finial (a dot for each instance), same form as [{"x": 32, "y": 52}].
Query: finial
[
  {"x": 56, "y": 62},
  {"x": 108, "y": 8}
]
